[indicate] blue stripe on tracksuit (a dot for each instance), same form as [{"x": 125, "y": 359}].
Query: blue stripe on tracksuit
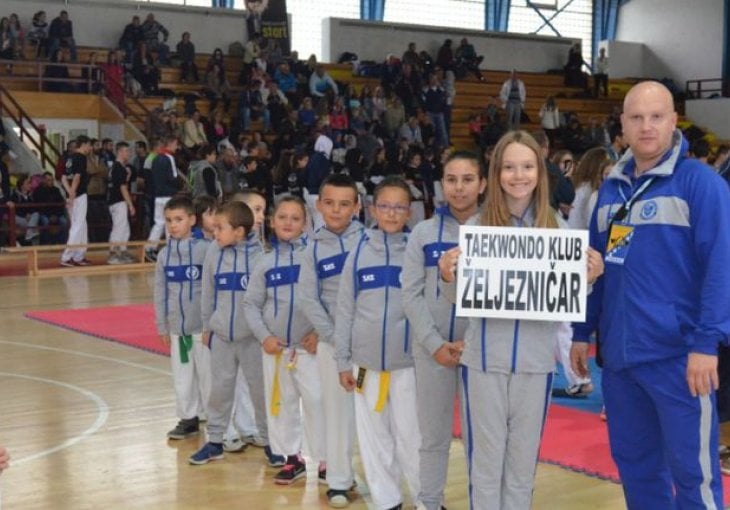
[{"x": 469, "y": 433}]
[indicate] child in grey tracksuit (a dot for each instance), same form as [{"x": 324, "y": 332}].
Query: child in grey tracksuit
[
  {"x": 373, "y": 342},
  {"x": 177, "y": 316},
  {"x": 434, "y": 322},
  {"x": 272, "y": 310},
  {"x": 322, "y": 266}
]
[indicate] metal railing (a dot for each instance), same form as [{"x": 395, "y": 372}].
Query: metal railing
[{"x": 699, "y": 89}]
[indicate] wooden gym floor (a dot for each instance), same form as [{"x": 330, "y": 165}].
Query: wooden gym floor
[{"x": 85, "y": 423}]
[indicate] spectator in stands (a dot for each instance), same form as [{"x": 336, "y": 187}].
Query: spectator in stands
[
  {"x": 338, "y": 120},
  {"x": 51, "y": 217},
  {"x": 186, "y": 54},
  {"x": 203, "y": 175},
  {"x": 26, "y": 218},
  {"x": 216, "y": 58},
  {"x": 574, "y": 76},
  {"x": 58, "y": 70},
  {"x": 468, "y": 60},
  {"x": 61, "y": 35},
  {"x": 412, "y": 58},
  {"x": 449, "y": 84},
  {"x": 38, "y": 34},
  {"x": 722, "y": 157},
  {"x": 550, "y": 119},
  {"x": 394, "y": 116},
  {"x": 408, "y": 87},
  {"x": 145, "y": 71},
  {"x": 18, "y": 35},
  {"x": 217, "y": 88},
  {"x": 218, "y": 130},
  {"x": 194, "y": 132},
  {"x": 411, "y": 132},
  {"x": 513, "y": 97},
  {"x": 227, "y": 170},
  {"x": 251, "y": 52},
  {"x": 600, "y": 73},
  {"x": 618, "y": 145},
  {"x": 562, "y": 192},
  {"x": 151, "y": 29},
  {"x": 276, "y": 103},
  {"x": 445, "y": 56},
  {"x": 131, "y": 37},
  {"x": 307, "y": 115},
  {"x": 321, "y": 84},
  {"x": 287, "y": 83},
  {"x": 114, "y": 79},
  {"x": 7, "y": 46},
  {"x": 434, "y": 100},
  {"x": 700, "y": 150},
  {"x": 90, "y": 75},
  {"x": 596, "y": 135},
  {"x": 564, "y": 160}
]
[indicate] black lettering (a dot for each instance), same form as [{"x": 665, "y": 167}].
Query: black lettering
[
  {"x": 553, "y": 248},
  {"x": 469, "y": 275},
  {"x": 563, "y": 294},
  {"x": 468, "y": 238},
  {"x": 540, "y": 248},
  {"x": 574, "y": 292},
  {"x": 533, "y": 291},
  {"x": 519, "y": 303},
  {"x": 508, "y": 290},
  {"x": 552, "y": 280},
  {"x": 577, "y": 249},
  {"x": 478, "y": 287}
]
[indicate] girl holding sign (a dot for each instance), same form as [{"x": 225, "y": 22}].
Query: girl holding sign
[
  {"x": 508, "y": 365},
  {"x": 438, "y": 333}
]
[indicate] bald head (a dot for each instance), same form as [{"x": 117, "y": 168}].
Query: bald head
[{"x": 648, "y": 121}]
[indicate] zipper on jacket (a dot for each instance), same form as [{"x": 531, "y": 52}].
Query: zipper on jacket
[
  {"x": 233, "y": 296},
  {"x": 291, "y": 298},
  {"x": 180, "y": 293},
  {"x": 385, "y": 310}
]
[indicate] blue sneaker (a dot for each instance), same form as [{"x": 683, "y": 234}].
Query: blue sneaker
[
  {"x": 209, "y": 451},
  {"x": 274, "y": 460}
]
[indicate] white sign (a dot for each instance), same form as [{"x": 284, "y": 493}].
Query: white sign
[{"x": 522, "y": 273}]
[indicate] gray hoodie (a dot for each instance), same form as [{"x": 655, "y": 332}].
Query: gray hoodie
[
  {"x": 271, "y": 304},
  {"x": 178, "y": 286},
  {"x": 322, "y": 266},
  {"x": 226, "y": 274},
  {"x": 508, "y": 346},
  {"x": 371, "y": 329},
  {"x": 432, "y": 316}
]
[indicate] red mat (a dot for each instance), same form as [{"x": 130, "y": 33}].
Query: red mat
[{"x": 132, "y": 325}]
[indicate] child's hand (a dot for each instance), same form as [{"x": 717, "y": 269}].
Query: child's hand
[
  {"x": 347, "y": 380},
  {"x": 595, "y": 265},
  {"x": 4, "y": 459},
  {"x": 449, "y": 354},
  {"x": 165, "y": 339},
  {"x": 206, "y": 338},
  {"x": 447, "y": 264},
  {"x": 273, "y": 345},
  {"x": 310, "y": 341}
]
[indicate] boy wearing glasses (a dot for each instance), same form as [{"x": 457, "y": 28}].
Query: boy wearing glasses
[{"x": 373, "y": 349}]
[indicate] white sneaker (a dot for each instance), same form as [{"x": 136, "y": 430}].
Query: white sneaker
[
  {"x": 255, "y": 441},
  {"x": 115, "y": 260},
  {"x": 233, "y": 445},
  {"x": 127, "y": 257}
]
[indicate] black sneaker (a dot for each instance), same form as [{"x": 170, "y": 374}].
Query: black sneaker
[
  {"x": 338, "y": 498},
  {"x": 185, "y": 429},
  {"x": 150, "y": 256},
  {"x": 291, "y": 472},
  {"x": 272, "y": 459},
  {"x": 322, "y": 475}
]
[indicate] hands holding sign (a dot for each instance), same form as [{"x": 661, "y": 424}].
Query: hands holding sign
[
  {"x": 447, "y": 264},
  {"x": 595, "y": 265}
]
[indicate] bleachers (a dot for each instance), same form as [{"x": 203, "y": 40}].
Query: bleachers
[{"x": 472, "y": 96}]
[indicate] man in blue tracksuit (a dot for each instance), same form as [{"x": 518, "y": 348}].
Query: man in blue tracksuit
[{"x": 662, "y": 222}]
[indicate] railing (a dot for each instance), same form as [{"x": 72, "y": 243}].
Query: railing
[
  {"x": 77, "y": 81},
  {"x": 10, "y": 107},
  {"x": 698, "y": 89}
]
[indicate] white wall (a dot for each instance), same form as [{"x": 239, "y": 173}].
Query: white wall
[
  {"x": 711, "y": 114},
  {"x": 374, "y": 40},
  {"x": 683, "y": 37},
  {"x": 101, "y": 22}
]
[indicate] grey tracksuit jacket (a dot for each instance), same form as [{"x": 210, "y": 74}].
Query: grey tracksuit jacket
[
  {"x": 178, "y": 286},
  {"x": 432, "y": 316},
  {"x": 271, "y": 305},
  {"x": 226, "y": 274},
  {"x": 371, "y": 329},
  {"x": 508, "y": 346},
  {"x": 322, "y": 266}
]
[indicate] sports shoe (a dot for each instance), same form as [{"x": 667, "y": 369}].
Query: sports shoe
[
  {"x": 338, "y": 498},
  {"x": 115, "y": 260},
  {"x": 322, "y": 473},
  {"x": 291, "y": 472},
  {"x": 272, "y": 459},
  {"x": 254, "y": 441},
  {"x": 68, "y": 263},
  {"x": 209, "y": 451},
  {"x": 150, "y": 256},
  {"x": 574, "y": 391},
  {"x": 127, "y": 258},
  {"x": 185, "y": 429},
  {"x": 234, "y": 445},
  {"x": 82, "y": 262}
]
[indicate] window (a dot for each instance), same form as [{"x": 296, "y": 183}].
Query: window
[
  {"x": 443, "y": 13},
  {"x": 575, "y": 21}
]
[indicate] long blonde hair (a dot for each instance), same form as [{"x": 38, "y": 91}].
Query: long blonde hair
[{"x": 495, "y": 212}]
